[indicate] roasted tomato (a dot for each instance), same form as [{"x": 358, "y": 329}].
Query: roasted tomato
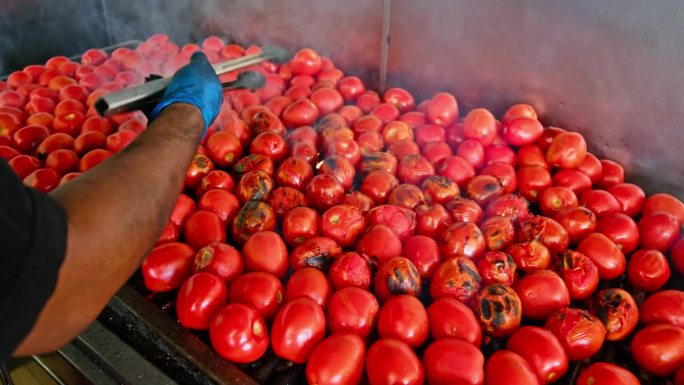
[
  {"x": 397, "y": 275},
  {"x": 605, "y": 254},
  {"x": 511, "y": 206},
  {"x": 340, "y": 168},
  {"x": 338, "y": 360},
  {"x": 298, "y": 327},
  {"x": 350, "y": 270},
  {"x": 431, "y": 220},
  {"x": 316, "y": 252},
  {"x": 294, "y": 172},
  {"x": 580, "y": 333},
  {"x": 658, "y": 349},
  {"x": 457, "y": 169},
  {"x": 498, "y": 232},
  {"x": 324, "y": 191},
  {"x": 254, "y": 216},
  {"x": 663, "y": 307},
  {"x": 542, "y": 292},
  {"x": 263, "y": 291},
  {"x": 450, "y": 318},
  {"x": 546, "y": 230},
  {"x": 352, "y": 310},
  {"x": 648, "y": 270},
  {"x": 359, "y": 200},
  {"x": 579, "y": 274},
  {"x": 401, "y": 220},
  {"x": 379, "y": 242},
  {"x": 484, "y": 188},
  {"x": 254, "y": 185},
  {"x": 542, "y": 350},
  {"x": 555, "y": 199},
  {"x": 458, "y": 278},
  {"x": 238, "y": 333},
  {"x": 496, "y": 267},
  {"x": 499, "y": 310},
  {"x": 343, "y": 224},
  {"x": 504, "y": 174},
  {"x": 530, "y": 256},
  {"x": 617, "y": 310},
  {"x": 308, "y": 282},
  {"x": 201, "y": 166},
  {"x": 464, "y": 210},
  {"x": 378, "y": 161},
  {"x": 603, "y": 373},
  {"x": 439, "y": 189},
  {"x": 390, "y": 361},
  {"x": 253, "y": 162},
  {"x": 462, "y": 239},
  {"x": 403, "y": 317},
  {"x": 453, "y": 361},
  {"x": 285, "y": 199},
  {"x": 414, "y": 169},
  {"x": 406, "y": 195}
]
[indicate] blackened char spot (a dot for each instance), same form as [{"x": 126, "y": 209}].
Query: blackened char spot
[{"x": 485, "y": 309}]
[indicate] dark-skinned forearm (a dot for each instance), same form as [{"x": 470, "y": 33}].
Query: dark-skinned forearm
[{"x": 116, "y": 213}]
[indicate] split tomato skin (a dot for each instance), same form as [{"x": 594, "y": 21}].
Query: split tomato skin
[
  {"x": 648, "y": 270},
  {"x": 457, "y": 278},
  {"x": 390, "y": 361},
  {"x": 297, "y": 328},
  {"x": 579, "y": 274},
  {"x": 338, "y": 360},
  {"x": 580, "y": 333},
  {"x": 617, "y": 310}
]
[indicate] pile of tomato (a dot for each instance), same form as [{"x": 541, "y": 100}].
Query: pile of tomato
[{"x": 372, "y": 239}]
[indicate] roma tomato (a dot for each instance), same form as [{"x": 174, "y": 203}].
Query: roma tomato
[
  {"x": 452, "y": 361},
  {"x": 600, "y": 202},
  {"x": 396, "y": 276},
  {"x": 300, "y": 224},
  {"x": 542, "y": 350},
  {"x": 352, "y": 310},
  {"x": 431, "y": 220},
  {"x": 338, "y": 360},
  {"x": 318, "y": 252},
  {"x": 343, "y": 224},
  {"x": 567, "y": 150},
  {"x": 542, "y": 292},
  {"x": 308, "y": 282},
  {"x": 442, "y": 109},
  {"x": 166, "y": 266},
  {"x": 390, "y": 361},
  {"x": 554, "y": 199},
  {"x": 546, "y": 230},
  {"x": 665, "y": 307},
  {"x": 220, "y": 259},
  {"x": 379, "y": 242},
  {"x": 265, "y": 251},
  {"x": 630, "y": 196},
  {"x": 462, "y": 239},
  {"x": 350, "y": 270},
  {"x": 612, "y": 174},
  {"x": 532, "y": 181},
  {"x": 579, "y": 274},
  {"x": 658, "y": 349},
  {"x": 450, "y": 318},
  {"x": 666, "y": 203},
  {"x": 648, "y": 270},
  {"x": 238, "y": 333},
  {"x": 617, "y": 310},
  {"x": 576, "y": 181},
  {"x": 530, "y": 256},
  {"x": 605, "y": 254},
  {"x": 603, "y": 373},
  {"x": 658, "y": 231},
  {"x": 199, "y": 298},
  {"x": 263, "y": 291},
  {"x": 577, "y": 221},
  {"x": 580, "y": 333},
  {"x": 401, "y": 220},
  {"x": 498, "y": 232},
  {"x": 517, "y": 370},
  {"x": 253, "y": 217},
  {"x": 403, "y": 317},
  {"x": 522, "y": 130},
  {"x": 202, "y": 228},
  {"x": 457, "y": 278},
  {"x": 424, "y": 253},
  {"x": 298, "y": 327}
]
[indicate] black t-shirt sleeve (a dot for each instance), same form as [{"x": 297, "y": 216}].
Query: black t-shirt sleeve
[{"x": 33, "y": 234}]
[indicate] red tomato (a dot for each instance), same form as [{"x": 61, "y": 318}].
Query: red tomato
[
  {"x": 519, "y": 110},
  {"x": 658, "y": 231},
  {"x": 399, "y": 98},
  {"x": 350, "y": 87},
  {"x": 531, "y": 155},
  {"x": 220, "y": 259},
  {"x": 43, "y": 179},
  {"x": 458, "y": 278},
  {"x": 658, "y": 349},
  {"x": 567, "y": 150},
  {"x": 424, "y": 253},
  {"x": 199, "y": 168},
  {"x": 464, "y": 239},
  {"x": 403, "y": 317},
  {"x": 591, "y": 167},
  {"x": 542, "y": 350},
  {"x": 88, "y": 141},
  {"x": 532, "y": 181},
  {"x": 324, "y": 191},
  {"x": 648, "y": 270},
  {"x": 215, "y": 180},
  {"x": 379, "y": 242},
  {"x": 665, "y": 307},
  {"x": 23, "y": 165},
  {"x": 617, "y": 310},
  {"x": 579, "y": 274},
  {"x": 580, "y": 333},
  {"x": 338, "y": 360},
  {"x": 480, "y": 124},
  {"x": 63, "y": 161},
  {"x": 238, "y": 333},
  {"x": 431, "y": 220},
  {"x": 294, "y": 172},
  {"x": 391, "y": 361},
  {"x": 453, "y": 361},
  {"x": 576, "y": 181},
  {"x": 224, "y": 148},
  {"x": 496, "y": 267},
  {"x": 300, "y": 224},
  {"x": 577, "y": 221},
  {"x": 7, "y": 153},
  {"x": 521, "y": 131},
  {"x": 353, "y": 310},
  {"x": 350, "y": 270},
  {"x": 457, "y": 169},
  {"x": 401, "y": 220},
  {"x": 666, "y": 203},
  {"x": 464, "y": 210},
  {"x": 54, "y": 142},
  {"x": 119, "y": 140},
  {"x": 483, "y": 189},
  {"x": 302, "y": 112},
  {"x": 442, "y": 109},
  {"x": 202, "y": 228},
  {"x": 630, "y": 196},
  {"x": 620, "y": 229},
  {"x": 505, "y": 175},
  {"x": 450, "y": 318},
  {"x": 603, "y": 373},
  {"x": 199, "y": 298},
  {"x": 605, "y": 254},
  {"x": 397, "y": 275},
  {"x": 305, "y": 62},
  {"x": 298, "y": 327},
  {"x": 414, "y": 168},
  {"x": 181, "y": 211},
  {"x": 308, "y": 282},
  {"x": 511, "y": 206},
  {"x": 316, "y": 252},
  {"x": 541, "y": 292},
  {"x": 546, "y": 230},
  {"x": 378, "y": 185},
  {"x": 677, "y": 256},
  {"x": 507, "y": 368},
  {"x": 613, "y": 174},
  {"x": 266, "y": 251},
  {"x": 263, "y": 291},
  {"x": 27, "y": 139}
]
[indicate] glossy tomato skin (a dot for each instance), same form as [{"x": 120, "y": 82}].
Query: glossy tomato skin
[
  {"x": 577, "y": 221},
  {"x": 215, "y": 180},
  {"x": 612, "y": 174},
  {"x": 166, "y": 266},
  {"x": 546, "y": 230},
  {"x": 658, "y": 231},
  {"x": 390, "y": 361},
  {"x": 567, "y": 150},
  {"x": 453, "y": 361},
  {"x": 265, "y": 251},
  {"x": 324, "y": 191},
  {"x": 201, "y": 165},
  {"x": 499, "y": 310},
  {"x": 677, "y": 256},
  {"x": 575, "y": 180},
  {"x": 403, "y": 317},
  {"x": 298, "y": 327},
  {"x": 648, "y": 270},
  {"x": 379, "y": 242},
  {"x": 603, "y": 373},
  {"x": 350, "y": 270},
  {"x": 517, "y": 370},
  {"x": 541, "y": 292},
  {"x": 532, "y": 181},
  {"x": 630, "y": 196},
  {"x": 591, "y": 167},
  {"x": 263, "y": 291},
  {"x": 352, "y": 310},
  {"x": 308, "y": 282},
  {"x": 199, "y": 298},
  {"x": 424, "y": 253},
  {"x": 617, "y": 310},
  {"x": 663, "y": 307},
  {"x": 464, "y": 239},
  {"x": 253, "y": 217},
  {"x": 658, "y": 349},
  {"x": 496, "y": 267},
  {"x": 442, "y": 109},
  {"x": 202, "y": 228},
  {"x": 396, "y": 276},
  {"x": 343, "y": 224},
  {"x": 600, "y": 202},
  {"x": 300, "y": 224},
  {"x": 522, "y": 130},
  {"x": 530, "y": 256},
  {"x": 457, "y": 169},
  {"x": 338, "y": 360},
  {"x": 450, "y": 318},
  {"x": 238, "y": 333},
  {"x": 542, "y": 350},
  {"x": 457, "y": 278},
  {"x": 666, "y": 203},
  {"x": 220, "y": 259},
  {"x": 555, "y": 199},
  {"x": 605, "y": 254},
  {"x": 579, "y": 274},
  {"x": 580, "y": 333}
]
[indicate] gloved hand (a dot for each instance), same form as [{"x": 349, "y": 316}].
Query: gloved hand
[{"x": 196, "y": 84}]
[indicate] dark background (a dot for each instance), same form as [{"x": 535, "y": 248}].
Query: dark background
[{"x": 613, "y": 70}]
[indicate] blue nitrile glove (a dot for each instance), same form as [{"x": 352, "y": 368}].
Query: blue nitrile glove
[{"x": 196, "y": 84}]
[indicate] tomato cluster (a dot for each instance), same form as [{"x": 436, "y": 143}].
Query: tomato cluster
[{"x": 372, "y": 238}]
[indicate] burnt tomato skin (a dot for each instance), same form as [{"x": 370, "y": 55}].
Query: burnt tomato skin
[
  {"x": 406, "y": 195},
  {"x": 449, "y": 317},
  {"x": 484, "y": 188},
  {"x": 617, "y": 310},
  {"x": 511, "y": 206},
  {"x": 343, "y": 224},
  {"x": 498, "y": 232},
  {"x": 546, "y": 230},
  {"x": 542, "y": 350},
  {"x": 499, "y": 310},
  {"x": 579, "y": 274},
  {"x": 458, "y": 278},
  {"x": 464, "y": 210},
  {"x": 530, "y": 256},
  {"x": 603, "y": 373},
  {"x": 318, "y": 252},
  {"x": 396, "y": 276},
  {"x": 253, "y": 162},
  {"x": 542, "y": 292},
  {"x": 663, "y": 307},
  {"x": 496, "y": 267},
  {"x": 255, "y": 185},
  {"x": 580, "y": 333},
  {"x": 340, "y": 168},
  {"x": 350, "y": 270},
  {"x": 462, "y": 239},
  {"x": 414, "y": 169},
  {"x": 403, "y": 317},
  {"x": 285, "y": 199},
  {"x": 378, "y": 161},
  {"x": 439, "y": 189},
  {"x": 352, "y": 310},
  {"x": 453, "y": 361},
  {"x": 298, "y": 327},
  {"x": 390, "y": 361},
  {"x": 263, "y": 291}
]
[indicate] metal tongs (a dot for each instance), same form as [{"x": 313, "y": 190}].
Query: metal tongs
[{"x": 145, "y": 95}]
